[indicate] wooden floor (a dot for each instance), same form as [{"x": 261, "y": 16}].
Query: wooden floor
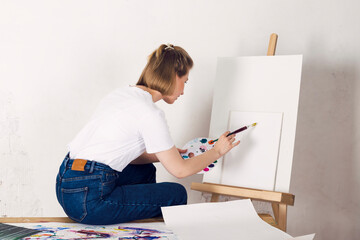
[{"x": 266, "y": 217}]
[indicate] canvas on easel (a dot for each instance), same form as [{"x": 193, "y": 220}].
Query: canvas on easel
[{"x": 259, "y": 84}]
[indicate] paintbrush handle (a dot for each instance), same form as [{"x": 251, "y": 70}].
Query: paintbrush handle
[{"x": 235, "y": 132}]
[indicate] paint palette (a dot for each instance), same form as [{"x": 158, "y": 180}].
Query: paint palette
[{"x": 198, "y": 146}]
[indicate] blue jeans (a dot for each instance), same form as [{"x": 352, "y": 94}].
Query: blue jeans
[{"x": 101, "y": 195}]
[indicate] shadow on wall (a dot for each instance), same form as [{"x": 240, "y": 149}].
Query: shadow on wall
[{"x": 323, "y": 174}]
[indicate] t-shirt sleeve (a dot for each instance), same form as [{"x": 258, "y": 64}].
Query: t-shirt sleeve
[{"x": 155, "y": 132}]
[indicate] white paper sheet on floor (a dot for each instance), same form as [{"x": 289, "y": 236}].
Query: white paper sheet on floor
[{"x": 222, "y": 220}]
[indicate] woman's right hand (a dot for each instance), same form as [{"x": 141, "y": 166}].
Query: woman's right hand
[{"x": 225, "y": 144}]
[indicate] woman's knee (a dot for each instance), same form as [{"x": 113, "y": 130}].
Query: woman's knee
[{"x": 178, "y": 192}]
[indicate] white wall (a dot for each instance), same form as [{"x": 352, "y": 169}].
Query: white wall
[{"x": 59, "y": 58}]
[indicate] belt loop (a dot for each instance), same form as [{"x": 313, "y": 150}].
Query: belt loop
[
  {"x": 92, "y": 166},
  {"x": 66, "y": 160},
  {"x": 65, "y": 163}
]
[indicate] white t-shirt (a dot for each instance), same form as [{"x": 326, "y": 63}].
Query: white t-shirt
[{"x": 126, "y": 123}]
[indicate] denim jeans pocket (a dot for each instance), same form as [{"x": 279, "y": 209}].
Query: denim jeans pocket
[{"x": 74, "y": 202}]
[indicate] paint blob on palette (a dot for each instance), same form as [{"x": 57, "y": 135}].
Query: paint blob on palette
[{"x": 196, "y": 147}]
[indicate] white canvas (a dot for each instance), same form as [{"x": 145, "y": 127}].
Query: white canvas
[
  {"x": 253, "y": 163},
  {"x": 258, "y": 84}
]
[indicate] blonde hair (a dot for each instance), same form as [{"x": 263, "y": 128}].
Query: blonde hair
[{"x": 162, "y": 67}]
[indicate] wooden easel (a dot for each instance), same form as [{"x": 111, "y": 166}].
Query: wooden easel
[{"x": 278, "y": 200}]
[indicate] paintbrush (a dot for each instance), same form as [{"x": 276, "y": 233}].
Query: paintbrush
[{"x": 238, "y": 130}]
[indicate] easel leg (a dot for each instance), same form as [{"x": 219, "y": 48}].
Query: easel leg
[
  {"x": 214, "y": 197},
  {"x": 282, "y": 216},
  {"x": 275, "y": 207}
]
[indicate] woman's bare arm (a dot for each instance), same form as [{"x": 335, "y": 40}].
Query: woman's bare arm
[{"x": 180, "y": 168}]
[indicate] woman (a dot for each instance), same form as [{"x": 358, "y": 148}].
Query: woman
[{"x": 108, "y": 176}]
